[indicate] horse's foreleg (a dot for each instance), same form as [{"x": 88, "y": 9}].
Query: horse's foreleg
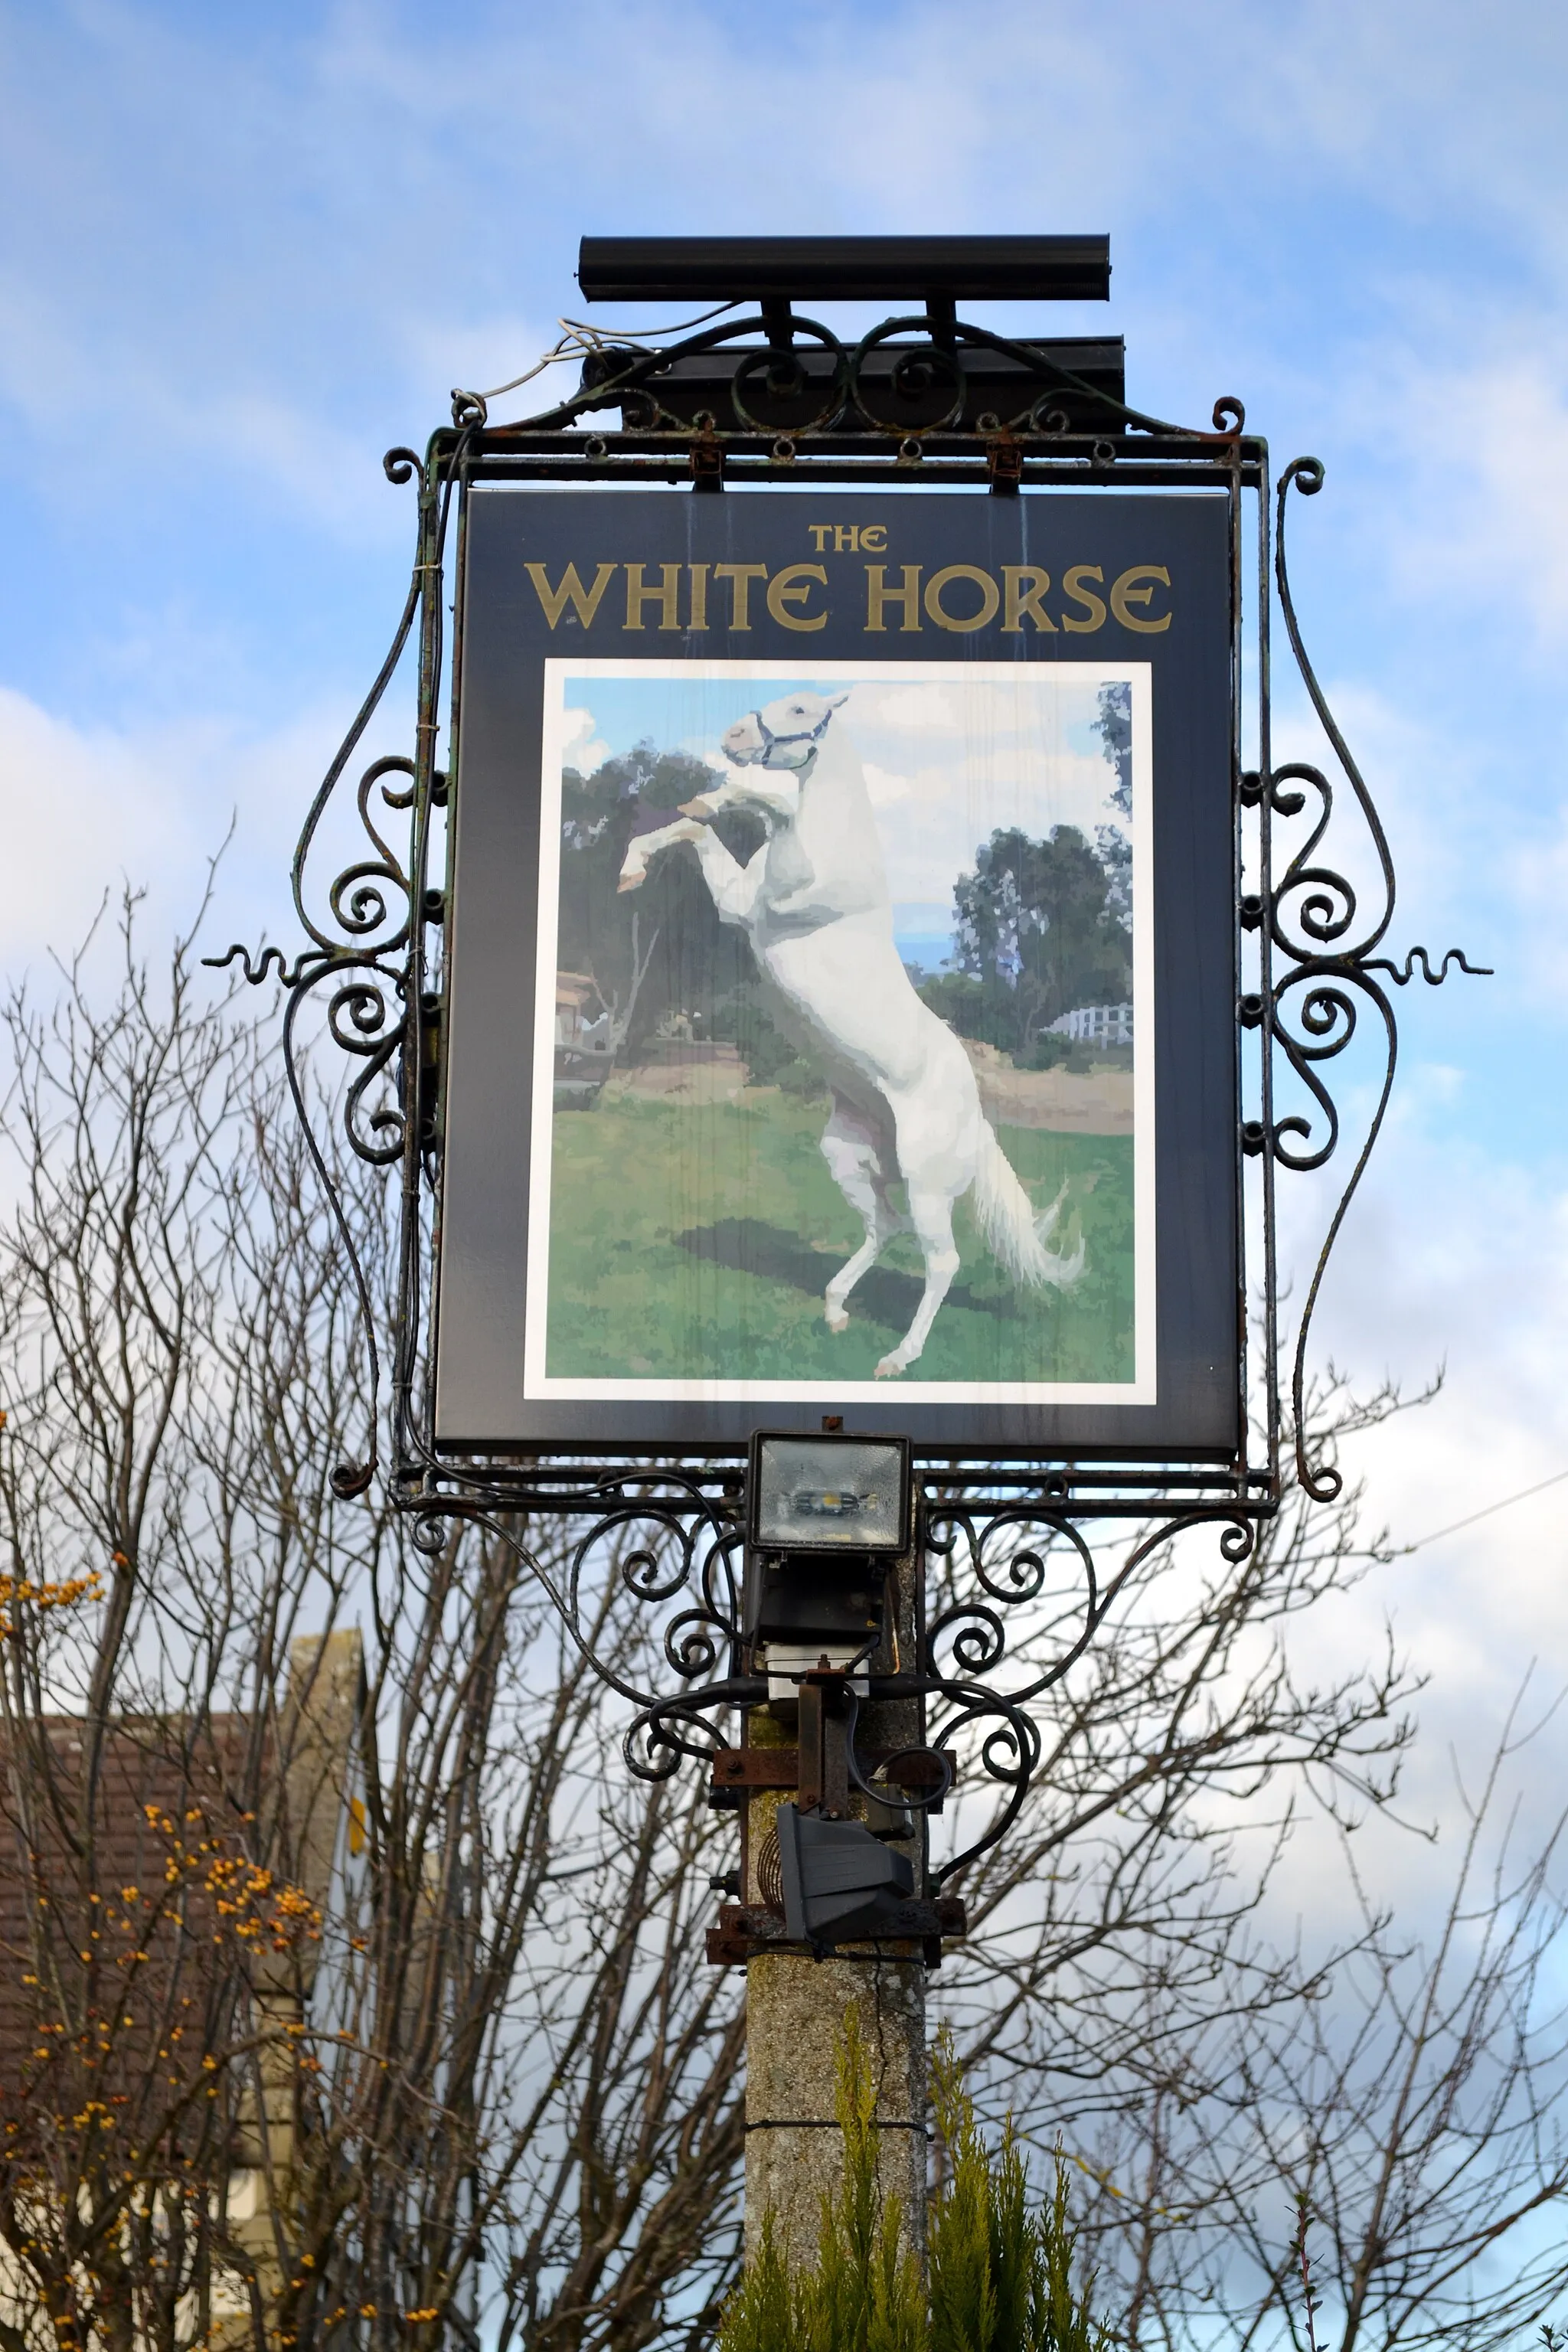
[
  {"x": 647, "y": 847},
  {"x": 778, "y": 792},
  {"x": 931, "y": 1214},
  {"x": 732, "y": 886}
]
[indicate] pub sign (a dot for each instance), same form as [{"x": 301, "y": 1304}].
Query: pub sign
[{"x": 842, "y": 984}]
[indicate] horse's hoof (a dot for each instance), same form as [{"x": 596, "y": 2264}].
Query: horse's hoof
[
  {"x": 632, "y": 881},
  {"x": 700, "y": 809},
  {"x": 887, "y": 1367},
  {"x": 836, "y": 1318}
]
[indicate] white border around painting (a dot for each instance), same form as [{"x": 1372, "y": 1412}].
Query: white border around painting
[{"x": 1139, "y": 1390}]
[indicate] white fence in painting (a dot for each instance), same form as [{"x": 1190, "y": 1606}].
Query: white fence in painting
[{"x": 1095, "y": 1025}]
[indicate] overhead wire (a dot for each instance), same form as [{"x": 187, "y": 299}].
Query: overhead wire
[{"x": 1402, "y": 1551}]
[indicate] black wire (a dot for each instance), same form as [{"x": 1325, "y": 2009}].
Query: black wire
[{"x": 900, "y": 1794}]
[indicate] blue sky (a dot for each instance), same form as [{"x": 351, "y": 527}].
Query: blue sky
[{"x": 243, "y": 252}]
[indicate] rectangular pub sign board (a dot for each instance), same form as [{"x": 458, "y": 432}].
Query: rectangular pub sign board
[{"x": 842, "y": 982}]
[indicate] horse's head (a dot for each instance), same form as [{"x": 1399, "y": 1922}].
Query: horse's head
[
  {"x": 783, "y": 734},
  {"x": 784, "y": 739}
]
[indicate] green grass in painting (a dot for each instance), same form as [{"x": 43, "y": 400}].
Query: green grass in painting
[{"x": 695, "y": 1242}]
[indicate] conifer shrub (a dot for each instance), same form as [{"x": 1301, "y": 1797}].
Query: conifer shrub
[{"x": 1000, "y": 2265}]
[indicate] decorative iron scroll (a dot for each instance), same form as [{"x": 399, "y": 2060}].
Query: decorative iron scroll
[
  {"x": 963, "y": 405},
  {"x": 1309, "y": 1012},
  {"x": 961, "y": 377}
]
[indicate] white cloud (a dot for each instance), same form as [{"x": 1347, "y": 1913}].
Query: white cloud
[
  {"x": 926, "y": 709},
  {"x": 78, "y": 809},
  {"x": 1455, "y": 1256},
  {"x": 581, "y": 747},
  {"x": 85, "y": 811},
  {"x": 1472, "y": 518},
  {"x": 885, "y": 785}
]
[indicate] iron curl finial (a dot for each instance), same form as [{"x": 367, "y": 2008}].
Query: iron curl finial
[
  {"x": 267, "y": 961},
  {"x": 1402, "y": 974}
]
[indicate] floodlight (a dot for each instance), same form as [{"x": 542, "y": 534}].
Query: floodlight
[
  {"x": 840, "y": 1884},
  {"x": 830, "y": 1495},
  {"x": 826, "y": 1518}
]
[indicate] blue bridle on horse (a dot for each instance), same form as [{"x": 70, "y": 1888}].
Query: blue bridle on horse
[{"x": 805, "y": 735}]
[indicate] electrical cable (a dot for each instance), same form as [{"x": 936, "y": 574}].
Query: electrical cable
[
  {"x": 1402, "y": 1551},
  {"x": 580, "y": 337},
  {"x": 894, "y": 1792}
]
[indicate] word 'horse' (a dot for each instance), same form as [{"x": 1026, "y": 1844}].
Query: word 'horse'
[{"x": 813, "y": 903}]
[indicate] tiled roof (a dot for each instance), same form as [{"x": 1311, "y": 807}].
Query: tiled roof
[
  {"x": 112, "y": 1937},
  {"x": 145, "y": 1891}
]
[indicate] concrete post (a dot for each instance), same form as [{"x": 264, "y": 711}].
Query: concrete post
[{"x": 795, "y": 2012}]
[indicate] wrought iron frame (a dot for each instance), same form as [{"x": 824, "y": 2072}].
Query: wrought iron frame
[{"x": 1311, "y": 964}]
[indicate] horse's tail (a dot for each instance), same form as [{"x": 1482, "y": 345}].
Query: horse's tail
[{"x": 1016, "y": 1236}]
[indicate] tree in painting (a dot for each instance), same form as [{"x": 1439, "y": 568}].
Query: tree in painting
[{"x": 1043, "y": 927}]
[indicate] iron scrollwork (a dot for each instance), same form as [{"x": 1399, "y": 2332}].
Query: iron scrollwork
[
  {"x": 1327, "y": 950},
  {"x": 961, "y": 404}
]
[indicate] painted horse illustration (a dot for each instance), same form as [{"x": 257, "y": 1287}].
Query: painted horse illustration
[{"x": 813, "y": 902}]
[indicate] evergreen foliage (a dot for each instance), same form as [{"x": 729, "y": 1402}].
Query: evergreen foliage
[
  {"x": 1000, "y": 2275},
  {"x": 1042, "y": 927},
  {"x": 1114, "y": 725},
  {"x": 687, "y": 958}
]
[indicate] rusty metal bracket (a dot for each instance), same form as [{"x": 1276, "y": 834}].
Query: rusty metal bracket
[
  {"x": 823, "y": 1745},
  {"x": 431, "y": 1011},
  {"x": 1004, "y": 464},
  {"x": 707, "y": 457},
  {"x": 737, "y": 1772},
  {"x": 748, "y": 1931}
]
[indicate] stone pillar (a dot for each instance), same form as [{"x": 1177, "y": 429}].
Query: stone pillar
[{"x": 795, "y": 2012}]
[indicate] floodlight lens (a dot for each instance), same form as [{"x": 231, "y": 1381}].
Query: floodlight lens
[{"x": 814, "y": 1493}]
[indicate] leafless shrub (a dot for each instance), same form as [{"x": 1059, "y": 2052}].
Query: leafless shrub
[{"x": 452, "y": 2063}]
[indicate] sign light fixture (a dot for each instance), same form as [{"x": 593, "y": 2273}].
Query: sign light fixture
[
  {"x": 838, "y": 1883},
  {"x": 830, "y": 1495}
]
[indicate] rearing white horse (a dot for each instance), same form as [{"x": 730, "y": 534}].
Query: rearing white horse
[{"x": 813, "y": 903}]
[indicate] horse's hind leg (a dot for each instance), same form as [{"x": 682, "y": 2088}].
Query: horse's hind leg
[
  {"x": 856, "y": 1151},
  {"x": 931, "y": 1214}
]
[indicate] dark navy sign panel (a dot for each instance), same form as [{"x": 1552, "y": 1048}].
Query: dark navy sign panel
[{"x": 841, "y": 1008}]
